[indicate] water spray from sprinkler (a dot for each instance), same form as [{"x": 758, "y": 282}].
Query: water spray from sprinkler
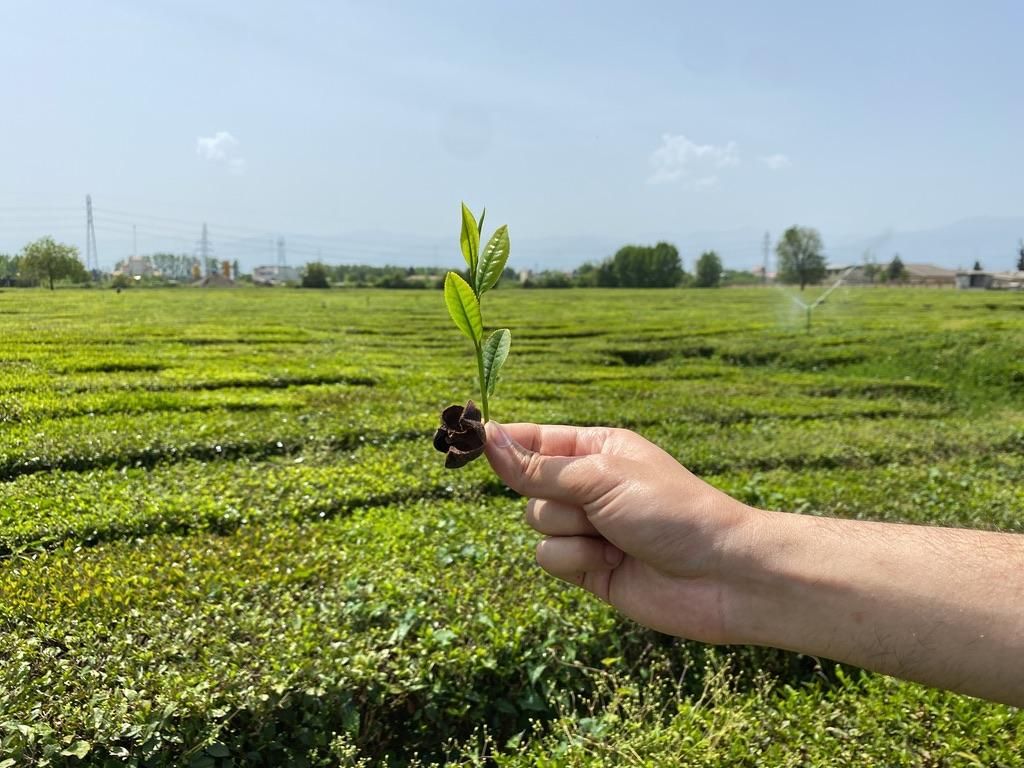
[{"x": 808, "y": 308}]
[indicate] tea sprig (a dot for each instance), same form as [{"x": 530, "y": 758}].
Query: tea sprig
[{"x": 463, "y": 299}]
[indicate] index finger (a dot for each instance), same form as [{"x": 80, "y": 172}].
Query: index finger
[{"x": 558, "y": 439}]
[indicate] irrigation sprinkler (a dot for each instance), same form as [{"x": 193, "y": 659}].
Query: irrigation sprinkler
[{"x": 808, "y": 308}]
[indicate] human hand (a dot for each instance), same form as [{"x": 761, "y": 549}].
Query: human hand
[{"x": 626, "y": 521}]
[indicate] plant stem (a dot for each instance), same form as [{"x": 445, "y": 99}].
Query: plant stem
[{"x": 483, "y": 384}]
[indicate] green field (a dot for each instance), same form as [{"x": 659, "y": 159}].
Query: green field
[{"x": 227, "y": 539}]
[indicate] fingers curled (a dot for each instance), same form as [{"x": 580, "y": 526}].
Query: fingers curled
[
  {"x": 555, "y": 518},
  {"x": 571, "y": 558}
]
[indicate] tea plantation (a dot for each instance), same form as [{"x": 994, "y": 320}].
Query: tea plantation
[{"x": 227, "y": 540}]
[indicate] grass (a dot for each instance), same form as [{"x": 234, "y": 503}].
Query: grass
[{"x": 227, "y": 540}]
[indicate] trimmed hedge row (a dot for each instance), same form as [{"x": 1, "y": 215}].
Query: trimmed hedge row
[
  {"x": 249, "y": 553},
  {"x": 399, "y": 626},
  {"x": 45, "y": 509}
]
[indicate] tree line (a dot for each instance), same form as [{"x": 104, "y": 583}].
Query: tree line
[
  {"x": 45, "y": 262},
  {"x": 320, "y": 275},
  {"x": 799, "y": 252},
  {"x": 800, "y": 256}
]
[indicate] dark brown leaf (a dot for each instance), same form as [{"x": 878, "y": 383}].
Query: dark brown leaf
[{"x": 461, "y": 434}]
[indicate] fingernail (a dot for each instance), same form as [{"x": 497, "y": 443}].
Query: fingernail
[
  {"x": 612, "y": 555},
  {"x": 498, "y": 436}
]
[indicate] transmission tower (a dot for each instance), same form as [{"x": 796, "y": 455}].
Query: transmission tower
[
  {"x": 205, "y": 251},
  {"x": 92, "y": 258},
  {"x": 282, "y": 258},
  {"x": 766, "y": 247}
]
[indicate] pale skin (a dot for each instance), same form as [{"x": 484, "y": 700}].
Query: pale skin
[{"x": 625, "y": 521}]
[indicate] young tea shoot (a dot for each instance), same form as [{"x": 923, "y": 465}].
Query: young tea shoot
[{"x": 461, "y": 435}]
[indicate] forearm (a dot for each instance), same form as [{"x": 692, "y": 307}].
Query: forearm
[{"x": 940, "y": 606}]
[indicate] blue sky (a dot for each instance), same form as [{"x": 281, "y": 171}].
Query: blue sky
[{"x": 355, "y": 128}]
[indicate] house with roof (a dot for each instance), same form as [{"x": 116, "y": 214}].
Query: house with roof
[
  {"x": 929, "y": 275},
  {"x": 983, "y": 279},
  {"x": 275, "y": 275},
  {"x": 923, "y": 275}
]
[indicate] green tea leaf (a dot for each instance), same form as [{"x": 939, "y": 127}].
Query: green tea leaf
[
  {"x": 492, "y": 260},
  {"x": 480, "y": 224},
  {"x": 79, "y": 749},
  {"x": 218, "y": 749},
  {"x": 463, "y": 306},
  {"x": 495, "y": 351},
  {"x": 469, "y": 240}
]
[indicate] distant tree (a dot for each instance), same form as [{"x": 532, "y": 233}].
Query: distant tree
[
  {"x": 871, "y": 268},
  {"x": 396, "y": 277},
  {"x": 8, "y": 269},
  {"x": 800, "y": 256},
  {"x": 639, "y": 266},
  {"x": 46, "y": 259},
  {"x": 895, "y": 271},
  {"x": 977, "y": 266},
  {"x": 606, "y": 277},
  {"x": 741, "y": 277},
  {"x": 1020, "y": 258},
  {"x": 586, "y": 275},
  {"x": 549, "y": 278},
  {"x": 315, "y": 276},
  {"x": 708, "y": 270}
]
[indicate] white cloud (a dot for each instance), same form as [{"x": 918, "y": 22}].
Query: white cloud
[
  {"x": 678, "y": 158},
  {"x": 776, "y": 162},
  {"x": 222, "y": 148}
]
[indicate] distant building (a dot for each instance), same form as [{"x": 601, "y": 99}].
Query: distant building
[
  {"x": 135, "y": 266},
  {"x": 216, "y": 280},
  {"x": 852, "y": 274},
  {"x": 275, "y": 275},
  {"x": 913, "y": 274},
  {"x": 833, "y": 271},
  {"x": 929, "y": 275},
  {"x": 1008, "y": 281},
  {"x": 974, "y": 278}
]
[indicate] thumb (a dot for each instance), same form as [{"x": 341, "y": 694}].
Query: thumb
[
  {"x": 509, "y": 460},
  {"x": 569, "y": 479}
]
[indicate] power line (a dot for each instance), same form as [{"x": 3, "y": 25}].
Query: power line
[
  {"x": 37, "y": 208},
  {"x": 247, "y": 243},
  {"x": 336, "y": 247},
  {"x": 172, "y": 221},
  {"x": 311, "y": 240}
]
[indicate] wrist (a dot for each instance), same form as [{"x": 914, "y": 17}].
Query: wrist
[
  {"x": 777, "y": 560},
  {"x": 935, "y": 605}
]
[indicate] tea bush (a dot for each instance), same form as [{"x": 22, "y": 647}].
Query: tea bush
[{"x": 227, "y": 540}]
